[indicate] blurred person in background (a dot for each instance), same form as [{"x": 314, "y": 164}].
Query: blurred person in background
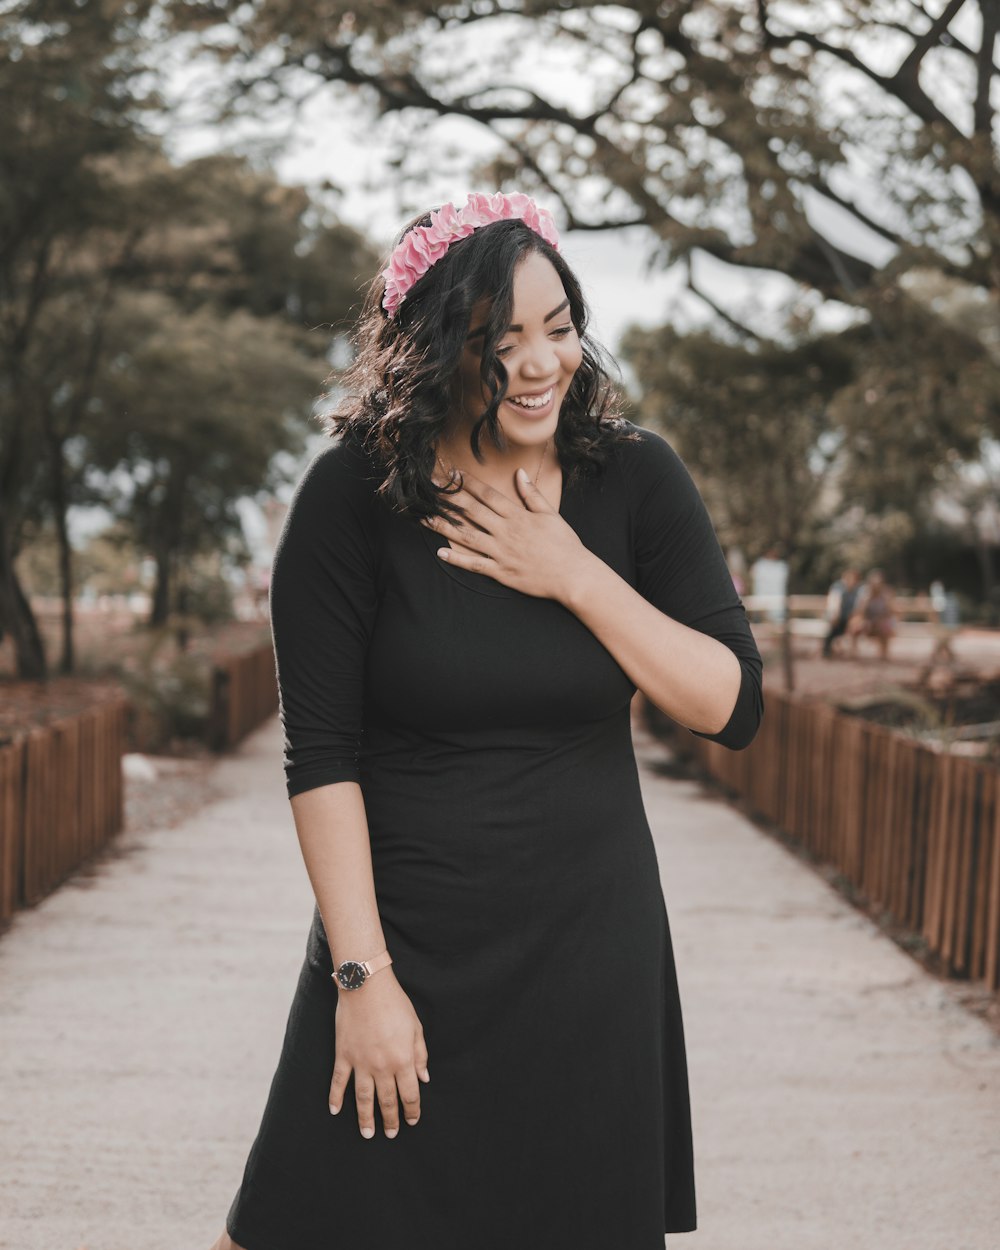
[
  {"x": 840, "y": 601},
  {"x": 769, "y": 576},
  {"x": 874, "y": 614}
]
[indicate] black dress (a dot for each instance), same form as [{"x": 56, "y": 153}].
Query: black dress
[{"x": 515, "y": 873}]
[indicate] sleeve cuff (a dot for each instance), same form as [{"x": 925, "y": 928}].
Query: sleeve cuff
[
  {"x": 741, "y": 728},
  {"x": 300, "y": 780}
]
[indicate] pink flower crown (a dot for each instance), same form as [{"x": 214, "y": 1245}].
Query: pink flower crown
[{"x": 423, "y": 246}]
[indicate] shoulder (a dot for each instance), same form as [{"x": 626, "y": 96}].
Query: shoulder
[
  {"x": 649, "y": 463},
  {"x": 334, "y": 506},
  {"x": 340, "y": 475}
]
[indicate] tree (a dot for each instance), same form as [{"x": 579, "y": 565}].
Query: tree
[
  {"x": 93, "y": 212},
  {"x": 837, "y": 150},
  {"x": 216, "y": 348},
  {"x": 190, "y": 412},
  {"x": 752, "y": 425},
  {"x": 724, "y": 127},
  {"x": 69, "y": 102}
]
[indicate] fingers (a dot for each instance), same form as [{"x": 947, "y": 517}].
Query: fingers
[
  {"x": 409, "y": 1093},
  {"x": 385, "y": 1088},
  {"x": 469, "y": 536},
  {"x": 490, "y": 499},
  {"x": 532, "y": 496},
  {"x": 341, "y": 1074},
  {"x": 420, "y": 1054},
  {"x": 476, "y": 523},
  {"x": 364, "y": 1096},
  {"x": 469, "y": 548},
  {"x": 388, "y": 1101}
]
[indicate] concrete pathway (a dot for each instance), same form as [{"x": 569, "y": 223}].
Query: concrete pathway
[{"x": 841, "y": 1096}]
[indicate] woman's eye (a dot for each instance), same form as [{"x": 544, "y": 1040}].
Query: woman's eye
[{"x": 560, "y": 332}]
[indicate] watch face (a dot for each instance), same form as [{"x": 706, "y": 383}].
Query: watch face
[{"x": 351, "y": 974}]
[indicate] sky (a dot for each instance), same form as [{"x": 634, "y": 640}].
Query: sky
[{"x": 333, "y": 141}]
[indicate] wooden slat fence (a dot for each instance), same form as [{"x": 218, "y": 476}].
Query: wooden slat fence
[
  {"x": 61, "y": 798},
  {"x": 244, "y": 695},
  {"x": 914, "y": 828}
]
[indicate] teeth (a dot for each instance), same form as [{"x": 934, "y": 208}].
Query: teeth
[{"x": 537, "y": 401}]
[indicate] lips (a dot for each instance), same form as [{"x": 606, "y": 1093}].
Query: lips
[{"x": 532, "y": 401}]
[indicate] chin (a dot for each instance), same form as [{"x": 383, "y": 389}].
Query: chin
[{"x": 527, "y": 430}]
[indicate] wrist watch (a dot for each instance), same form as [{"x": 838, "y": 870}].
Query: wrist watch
[{"x": 353, "y": 973}]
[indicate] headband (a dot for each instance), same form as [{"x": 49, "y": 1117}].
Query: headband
[{"x": 423, "y": 246}]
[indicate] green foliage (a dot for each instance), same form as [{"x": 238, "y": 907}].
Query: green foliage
[
  {"x": 751, "y": 423},
  {"x": 722, "y": 126},
  {"x": 164, "y": 330},
  {"x": 169, "y": 690},
  {"x": 849, "y": 150}
]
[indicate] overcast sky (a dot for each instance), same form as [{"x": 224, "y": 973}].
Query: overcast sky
[{"x": 334, "y": 141}]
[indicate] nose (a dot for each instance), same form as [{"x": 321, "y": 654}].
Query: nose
[{"x": 540, "y": 360}]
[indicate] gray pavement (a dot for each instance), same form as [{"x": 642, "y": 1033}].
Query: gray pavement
[{"x": 841, "y": 1096}]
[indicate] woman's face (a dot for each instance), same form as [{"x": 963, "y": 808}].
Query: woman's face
[{"x": 540, "y": 351}]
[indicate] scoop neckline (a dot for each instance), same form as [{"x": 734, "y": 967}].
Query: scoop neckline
[{"x": 482, "y": 582}]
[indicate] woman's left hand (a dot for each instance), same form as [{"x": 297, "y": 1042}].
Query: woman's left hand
[{"x": 526, "y": 546}]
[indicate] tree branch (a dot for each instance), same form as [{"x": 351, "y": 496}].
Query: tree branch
[
  {"x": 823, "y": 187},
  {"x": 906, "y": 89},
  {"x": 985, "y": 68},
  {"x": 743, "y": 331},
  {"x": 910, "y": 66}
]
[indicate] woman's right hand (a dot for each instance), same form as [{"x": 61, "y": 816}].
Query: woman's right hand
[{"x": 380, "y": 1039}]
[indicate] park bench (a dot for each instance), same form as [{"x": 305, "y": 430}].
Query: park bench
[{"x": 915, "y": 613}]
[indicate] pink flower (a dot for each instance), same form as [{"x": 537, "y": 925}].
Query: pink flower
[{"x": 424, "y": 246}]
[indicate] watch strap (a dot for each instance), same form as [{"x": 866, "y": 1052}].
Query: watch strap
[{"x": 379, "y": 962}]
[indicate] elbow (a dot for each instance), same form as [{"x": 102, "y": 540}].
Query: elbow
[
  {"x": 739, "y": 734},
  {"x": 747, "y": 714}
]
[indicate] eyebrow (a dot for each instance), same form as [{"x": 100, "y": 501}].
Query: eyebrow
[{"x": 517, "y": 329}]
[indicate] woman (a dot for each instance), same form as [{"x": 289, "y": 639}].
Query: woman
[
  {"x": 874, "y": 614},
  {"x": 472, "y": 581}
]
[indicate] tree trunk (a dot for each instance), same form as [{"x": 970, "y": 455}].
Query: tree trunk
[
  {"x": 59, "y": 506},
  {"x": 169, "y": 521},
  {"x": 984, "y": 550},
  {"x": 18, "y": 618},
  {"x": 67, "y": 661},
  {"x": 161, "y": 591},
  {"x": 787, "y": 652},
  {"x": 183, "y": 625}
]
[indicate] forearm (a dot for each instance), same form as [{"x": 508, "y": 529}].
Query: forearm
[
  {"x": 332, "y": 827},
  {"x": 693, "y": 678}
]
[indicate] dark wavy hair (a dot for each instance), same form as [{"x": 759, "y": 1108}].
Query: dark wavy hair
[{"x": 397, "y": 393}]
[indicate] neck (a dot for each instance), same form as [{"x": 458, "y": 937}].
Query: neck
[{"x": 456, "y": 451}]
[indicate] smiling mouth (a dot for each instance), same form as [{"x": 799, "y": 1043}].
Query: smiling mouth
[{"x": 532, "y": 401}]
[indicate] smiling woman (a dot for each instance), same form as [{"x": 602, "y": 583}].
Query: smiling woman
[{"x": 472, "y": 581}]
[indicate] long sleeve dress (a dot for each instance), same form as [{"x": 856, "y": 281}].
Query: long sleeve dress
[{"x": 516, "y": 877}]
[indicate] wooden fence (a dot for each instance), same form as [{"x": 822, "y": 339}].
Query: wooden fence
[
  {"x": 244, "y": 695},
  {"x": 61, "y": 798},
  {"x": 915, "y": 829}
]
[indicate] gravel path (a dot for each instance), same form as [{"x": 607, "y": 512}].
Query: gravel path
[{"x": 841, "y": 1095}]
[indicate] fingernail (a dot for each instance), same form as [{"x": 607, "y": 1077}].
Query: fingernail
[
  {"x": 443, "y": 552},
  {"x": 367, "y": 1131},
  {"x": 523, "y": 476},
  {"x": 334, "y": 1108},
  {"x": 391, "y": 1132},
  {"x": 411, "y": 1121},
  {"x": 425, "y": 1075}
]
